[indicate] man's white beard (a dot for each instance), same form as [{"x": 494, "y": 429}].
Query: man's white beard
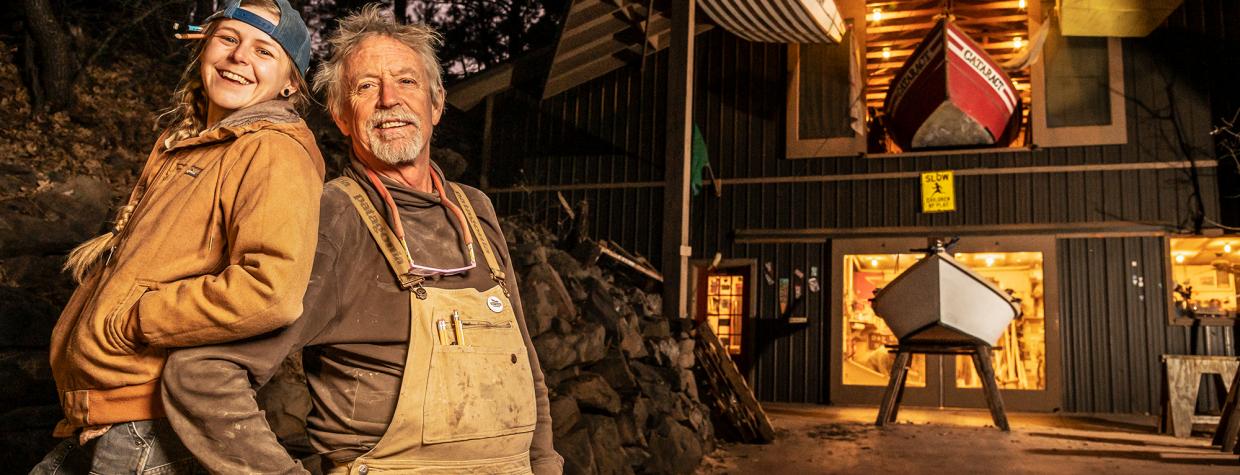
[{"x": 399, "y": 151}]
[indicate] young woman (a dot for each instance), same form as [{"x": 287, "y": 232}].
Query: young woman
[{"x": 215, "y": 243}]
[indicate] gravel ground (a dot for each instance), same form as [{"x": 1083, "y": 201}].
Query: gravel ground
[{"x": 832, "y": 439}]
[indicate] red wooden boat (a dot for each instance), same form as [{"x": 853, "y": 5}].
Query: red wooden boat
[{"x": 951, "y": 94}]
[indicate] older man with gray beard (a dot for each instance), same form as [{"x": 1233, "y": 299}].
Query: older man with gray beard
[{"x": 415, "y": 348}]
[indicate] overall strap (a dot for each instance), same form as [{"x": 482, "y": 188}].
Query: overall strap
[
  {"x": 497, "y": 272},
  {"x": 392, "y": 247}
]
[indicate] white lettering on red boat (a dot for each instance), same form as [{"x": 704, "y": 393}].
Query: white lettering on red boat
[
  {"x": 979, "y": 63},
  {"x": 914, "y": 71}
]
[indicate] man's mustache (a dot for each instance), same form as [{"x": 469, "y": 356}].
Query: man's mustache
[{"x": 389, "y": 115}]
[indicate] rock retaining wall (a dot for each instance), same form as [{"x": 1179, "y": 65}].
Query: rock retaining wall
[{"x": 624, "y": 396}]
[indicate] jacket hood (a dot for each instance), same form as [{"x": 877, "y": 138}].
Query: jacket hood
[{"x": 276, "y": 114}]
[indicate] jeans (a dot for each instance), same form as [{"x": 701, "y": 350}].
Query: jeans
[{"x": 141, "y": 447}]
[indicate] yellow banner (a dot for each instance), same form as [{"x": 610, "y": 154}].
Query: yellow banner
[{"x": 938, "y": 192}]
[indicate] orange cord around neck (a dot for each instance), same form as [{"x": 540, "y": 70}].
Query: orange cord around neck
[{"x": 437, "y": 185}]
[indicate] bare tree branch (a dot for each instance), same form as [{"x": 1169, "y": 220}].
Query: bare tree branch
[{"x": 116, "y": 31}]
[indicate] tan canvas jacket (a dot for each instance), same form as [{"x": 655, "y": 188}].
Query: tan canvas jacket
[{"x": 219, "y": 247}]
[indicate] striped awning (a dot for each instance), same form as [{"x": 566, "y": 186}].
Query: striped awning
[{"x": 778, "y": 21}]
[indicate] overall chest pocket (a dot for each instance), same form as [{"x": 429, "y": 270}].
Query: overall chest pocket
[{"x": 480, "y": 383}]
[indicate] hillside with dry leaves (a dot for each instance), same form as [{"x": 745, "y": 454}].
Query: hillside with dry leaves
[
  {"x": 61, "y": 175},
  {"x": 106, "y": 135}
]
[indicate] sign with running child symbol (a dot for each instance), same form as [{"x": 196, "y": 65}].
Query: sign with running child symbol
[{"x": 938, "y": 192}]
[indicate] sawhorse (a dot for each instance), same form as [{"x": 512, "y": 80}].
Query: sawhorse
[
  {"x": 890, "y": 406},
  {"x": 1181, "y": 383}
]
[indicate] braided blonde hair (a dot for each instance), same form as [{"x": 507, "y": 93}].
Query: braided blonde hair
[{"x": 187, "y": 118}]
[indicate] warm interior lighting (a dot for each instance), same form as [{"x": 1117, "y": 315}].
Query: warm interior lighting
[
  {"x": 1020, "y": 4},
  {"x": 990, "y": 261},
  {"x": 1021, "y": 364},
  {"x": 873, "y": 262},
  {"x": 999, "y": 28},
  {"x": 1206, "y": 274},
  {"x": 725, "y": 309}
]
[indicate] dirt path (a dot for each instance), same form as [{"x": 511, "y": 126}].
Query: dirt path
[{"x": 820, "y": 439}]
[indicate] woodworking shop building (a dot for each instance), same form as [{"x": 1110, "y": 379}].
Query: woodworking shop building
[{"x": 745, "y": 148}]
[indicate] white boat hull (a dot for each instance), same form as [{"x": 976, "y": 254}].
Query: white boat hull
[{"x": 939, "y": 300}]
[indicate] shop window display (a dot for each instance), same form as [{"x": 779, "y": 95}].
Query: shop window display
[
  {"x": 866, "y": 359},
  {"x": 1020, "y": 360},
  {"x": 1203, "y": 270}
]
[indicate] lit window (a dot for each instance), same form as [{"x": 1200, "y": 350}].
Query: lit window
[
  {"x": 1020, "y": 361},
  {"x": 1203, "y": 274},
  {"x": 866, "y": 359},
  {"x": 1072, "y": 95},
  {"x": 725, "y": 309}
]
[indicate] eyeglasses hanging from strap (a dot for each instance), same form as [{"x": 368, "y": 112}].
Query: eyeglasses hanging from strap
[{"x": 466, "y": 236}]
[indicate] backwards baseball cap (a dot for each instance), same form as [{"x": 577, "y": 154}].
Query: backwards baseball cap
[{"x": 291, "y": 32}]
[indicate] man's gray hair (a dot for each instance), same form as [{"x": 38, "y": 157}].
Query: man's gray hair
[{"x": 369, "y": 22}]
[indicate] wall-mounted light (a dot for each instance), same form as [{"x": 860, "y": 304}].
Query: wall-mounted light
[
  {"x": 1020, "y": 4},
  {"x": 877, "y": 15},
  {"x": 1227, "y": 247},
  {"x": 886, "y": 53},
  {"x": 873, "y": 262},
  {"x": 1179, "y": 258},
  {"x": 1018, "y": 42},
  {"x": 990, "y": 261}
]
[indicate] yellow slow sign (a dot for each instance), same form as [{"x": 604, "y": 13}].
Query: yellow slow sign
[{"x": 938, "y": 192}]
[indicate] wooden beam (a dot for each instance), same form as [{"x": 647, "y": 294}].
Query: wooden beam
[
  {"x": 732, "y": 396},
  {"x": 578, "y": 57},
  {"x": 676, "y": 155},
  {"x": 586, "y": 52},
  {"x": 599, "y": 28},
  {"x": 468, "y": 93},
  {"x": 849, "y": 177},
  {"x": 1084, "y": 229},
  {"x": 487, "y": 123},
  {"x": 605, "y": 249},
  {"x": 568, "y": 78},
  {"x": 584, "y": 11},
  {"x": 963, "y": 22}
]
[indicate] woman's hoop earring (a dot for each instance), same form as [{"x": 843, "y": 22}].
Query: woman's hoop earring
[{"x": 288, "y": 91}]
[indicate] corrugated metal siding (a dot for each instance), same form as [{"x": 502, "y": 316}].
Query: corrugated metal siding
[
  {"x": 606, "y": 131},
  {"x": 786, "y": 362},
  {"x": 1216, "y": 19},
  {"x": 1115, "y": 329},
  {"x": 609, "y": 131}
]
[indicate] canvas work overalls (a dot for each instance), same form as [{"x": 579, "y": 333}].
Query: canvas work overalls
[{"x": 466, "y": 401}]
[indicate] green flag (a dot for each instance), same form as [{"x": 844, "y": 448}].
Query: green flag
[{"x": 700, "y": 161}]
